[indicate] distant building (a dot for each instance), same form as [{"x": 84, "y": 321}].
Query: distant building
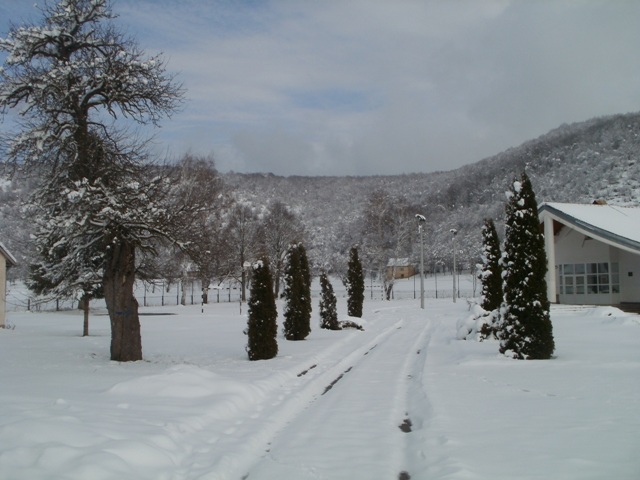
[
  {"x": 593, "y": 253},
  {"x": 400, "y": 268},
  {"x": 6, "y": 260}
]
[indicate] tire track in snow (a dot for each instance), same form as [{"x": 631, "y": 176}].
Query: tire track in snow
[
  {"x": 255, "y": 430},
  {"x": 341, "y": 424}
]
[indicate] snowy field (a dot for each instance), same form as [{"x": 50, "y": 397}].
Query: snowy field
[{"x": 403, "y": 399}]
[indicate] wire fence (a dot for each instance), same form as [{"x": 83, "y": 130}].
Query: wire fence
[{"x": 160, "y": 293}]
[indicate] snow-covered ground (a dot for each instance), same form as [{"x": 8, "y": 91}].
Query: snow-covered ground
[{"x": 403, "y": 399}]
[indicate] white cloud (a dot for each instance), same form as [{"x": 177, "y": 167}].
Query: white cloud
[{"x": 374, "y": 86}]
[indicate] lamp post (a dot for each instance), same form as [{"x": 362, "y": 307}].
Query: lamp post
[
  {"x": 421, "y": 220},
  {"x": 454, "y": 232}
]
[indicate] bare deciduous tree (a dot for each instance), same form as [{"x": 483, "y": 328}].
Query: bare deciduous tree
[
  {"x": 72, "y": 78},
  {"x": 280, "y": 229}
]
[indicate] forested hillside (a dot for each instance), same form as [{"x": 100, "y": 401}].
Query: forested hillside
[
  {"x": 581, "y": 162},
  {"x": 596, "y": 159}
]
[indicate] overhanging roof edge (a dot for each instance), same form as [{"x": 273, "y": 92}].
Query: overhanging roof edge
[
  {"x": 593, "y": 231},
  {"x": 11, "y": 260}
]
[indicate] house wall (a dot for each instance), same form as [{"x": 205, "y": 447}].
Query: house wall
[
  {"x": 400, "y": 272},
  {"x": 629, "y": 277},
  {"x": 3, "y": 289},
  {"x": 574, "y": 248}
]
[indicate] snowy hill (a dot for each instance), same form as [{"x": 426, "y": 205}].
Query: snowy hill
[{"x": 595, "y": 159}]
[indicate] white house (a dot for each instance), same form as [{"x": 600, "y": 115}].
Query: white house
[
  {"x": 593, "y": 253},
  {"x": 6, "y": 260}
]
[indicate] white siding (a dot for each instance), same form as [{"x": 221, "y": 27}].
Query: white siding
[
  {"x": 573, "y": 248},
  {"x": 3, "y": 289},
  {"x": 629, "y": 277}
]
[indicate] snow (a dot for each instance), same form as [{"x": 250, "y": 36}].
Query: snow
[
  {"x": 621, "y": 221},
  {"x": 401, "y": 396}
]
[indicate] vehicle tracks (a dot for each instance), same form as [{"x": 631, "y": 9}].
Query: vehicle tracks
[{"x": 377, "y": 380}]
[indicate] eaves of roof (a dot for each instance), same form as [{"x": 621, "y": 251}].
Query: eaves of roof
[
  {"x": 591, "y": 230},
  {"x": 11, "y": 260}
]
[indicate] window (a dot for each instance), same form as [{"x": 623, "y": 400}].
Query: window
[{"x": 589, "y": 278}]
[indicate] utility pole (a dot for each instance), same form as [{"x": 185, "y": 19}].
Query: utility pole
[
  {"x": 421, "y": 220},
  {"x": 454, "y": 232}
]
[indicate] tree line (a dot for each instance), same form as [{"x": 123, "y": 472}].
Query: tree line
[
  {"x": 262, "y": 326},
  {"x": 103, "y": 212}
]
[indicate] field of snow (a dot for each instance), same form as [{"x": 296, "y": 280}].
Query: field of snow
[{"x": 402, "y": 399}]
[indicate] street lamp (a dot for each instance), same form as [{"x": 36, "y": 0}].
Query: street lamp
[
  {"x": 421, "y": 220},
  {"x": 454, "y": 232}
]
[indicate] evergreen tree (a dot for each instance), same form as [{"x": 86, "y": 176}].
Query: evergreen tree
[
  {"x": 354, "y": 284},
  {"x": 491, "y": 278},
  {"x": 328, "y": 308},
  {"x": 262, "y": 326},
  {"x": 297, "y": 294},
  {"x": 525, "y": 324}
]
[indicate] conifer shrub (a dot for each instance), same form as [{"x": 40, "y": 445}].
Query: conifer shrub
[
  {"x": 351, "y": 324},
  {"x": 328, "y": 305},
  {"x": 525, "y": 324},
  {"x": 297, "y": 294},
  {"x": 262, "y": 326},
  {"x": 491, "y": 278},
  {"x": 355, "y": 284}
]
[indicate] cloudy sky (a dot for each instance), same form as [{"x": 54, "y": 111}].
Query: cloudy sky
[{"x": 363, "y": 87}]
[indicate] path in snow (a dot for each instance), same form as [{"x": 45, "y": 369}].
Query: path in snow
[{"x": 360, "y": 412}]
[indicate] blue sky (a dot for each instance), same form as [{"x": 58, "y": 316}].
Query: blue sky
[{"x": 363, "y": 87}]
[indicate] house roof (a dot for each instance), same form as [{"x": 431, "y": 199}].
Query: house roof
[
  {"x": 611, "y": 224},
  {"x": 11, "y": 260},
  {"x": 398, "y": 262}
]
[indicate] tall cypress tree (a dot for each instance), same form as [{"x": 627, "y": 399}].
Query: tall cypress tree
[
  {"x": 491, "y": 278},
  {"x": 525, "y": 324},
  {"x": 297, "y": 294},
  {"x": 262, "y": 326},
  {"x": 354, "y": 284},
  {"x": 328, "y": 305},
  {"x": 491, "y": 274},
  {"x": 305, "y": 274}
]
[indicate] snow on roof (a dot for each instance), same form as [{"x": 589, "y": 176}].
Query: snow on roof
[
  {"x": 398, "y": 262},
  {"x": 11, "y": 260},
  {"x": 612, "y": 223}
]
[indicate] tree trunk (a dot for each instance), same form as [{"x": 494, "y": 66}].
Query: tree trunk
[
  {"x": 119, "y": 275},
  {"x": 243, "y": 286},
  {"x": 84, "y": 304},
  {"x": 205, "y": 282},
  {"x": 183, "y": 287}
]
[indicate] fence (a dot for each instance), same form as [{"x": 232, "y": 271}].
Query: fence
[
  {"x": 148, "y": 294},
  {"x": 161, "y": 293}
]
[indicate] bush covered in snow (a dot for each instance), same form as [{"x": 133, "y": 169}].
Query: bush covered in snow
[{"x": 479, "y": 325}]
